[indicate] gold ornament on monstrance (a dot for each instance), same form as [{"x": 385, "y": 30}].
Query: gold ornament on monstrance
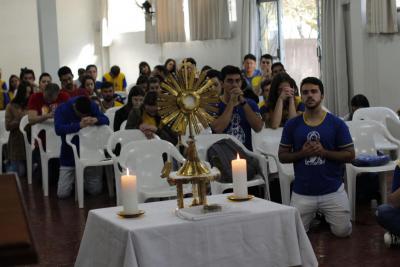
[{"x": 189, "y": 103}]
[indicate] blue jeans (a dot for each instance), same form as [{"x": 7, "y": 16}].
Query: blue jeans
[
  {"x": 387, "y": 215},
  {"x": 389, "y": 218},
  {"x": 17, "y": 166}
]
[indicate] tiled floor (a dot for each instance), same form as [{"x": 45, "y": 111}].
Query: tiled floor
[{"x": 58, "y": 226}]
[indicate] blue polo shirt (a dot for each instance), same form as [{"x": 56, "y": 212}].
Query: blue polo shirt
[
  {"x": 316, "y": 175},
  {"x": 66, "y": 122}
]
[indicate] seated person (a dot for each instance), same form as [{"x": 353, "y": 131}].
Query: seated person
[
  {"x": 13, "y": 83},
  {"x": 388, "y": 214},
  {"x": 91, "y": 70},
  {"x": 144, "y": 69},
  {"x": 88, "y": 87},
  {"x": 265, "y": 66},
  {"x": 108, "y": 97},
  {"x": 143, "y": 81},
  {"x": 147, "y": 120},
  {"x": 237, "y": 115},
  {"x": 44, "y": 80},
  {"x": 277, "y": 68},
  {"x": 357, "y": 101},
  {"x": 265, "y": 89},
  {"x": 14, "y": 113},
  {"x": 116, "y": 78},
  {"x": 154, "y": 84},
  {"x": 67, "y": 81},
  {"x": 42, "y": 105},
  {"x": 79, "y": 112},
  {"x": 252, "y": 75},
  {"x": 135, "y": 100},
  {"x": 283, "y": 102}
]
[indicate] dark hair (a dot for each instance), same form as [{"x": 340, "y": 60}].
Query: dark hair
[
  {"x": 51, "y": 89},
  {"x": 91, "y": 66},
  {"x": 190, "y": 60},
  {"x": 267, "y": 56},
  {"x": 25, "y": 71},
  {"x": 274, "y": 91},
  {"x": 249, "y": 56},
  {"x": 168, "y": 61},
  {"x": 9, "y": 82},
  {"x": 44, "y": 74},
  {"x": 83, "y": 105},
  {"x": 264, "y": 83},
  {"x": 213, "y": 73},
  {"x": 161, "y": 69},
  {"x": 105, "y": 85},
  {"x": 229, "y": 69},
  {"x": 249, "y": 93},
  {"x": 81, "y": 71},
  {"x": 20, "y": 98},
  {"x": 314, "y": 81},
  {"x": 63, "y": 71},
  {"x": 276, "y": 64},
  {"x": 154, "y": 79},
  {"x": 150, "y": 99},
  {"x": 142, "y": 79},
  {"x": 205, "y": 68},
  {"x": 134, "y": 91},
  {"x": 88, "y": 77},
  {"x": 360, "y": 101},
  {"x": 144, "y": 64},
  {"x": 115, "y": 70}
]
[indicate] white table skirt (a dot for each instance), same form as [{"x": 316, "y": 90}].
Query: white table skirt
[{"x": 265, "y": 234}]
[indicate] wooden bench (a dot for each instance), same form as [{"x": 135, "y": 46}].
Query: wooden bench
[{"x": 16, "y": 243}]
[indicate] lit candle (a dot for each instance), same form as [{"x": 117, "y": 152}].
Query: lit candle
[
  {"x": 129, "y": 193},
  {"x": 239, "y": 177}
]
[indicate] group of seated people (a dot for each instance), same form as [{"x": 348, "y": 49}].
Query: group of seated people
[{"x": 317, "y": 142}]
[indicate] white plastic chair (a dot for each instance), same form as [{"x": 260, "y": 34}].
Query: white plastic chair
[
  {"x": 382, "y": 115},
  {"x": 52, "y": 151},
  {"x": 28, "y": 147},
  {"x": 144, "y": 158},
  {"x": 123, "y": 125},
  {"x": 267, "y": 142},
  {"x": 362, "y": 133},
  {"x": 92, "y": 143},
  {"x": 4, "y": 134},
  {"x": 110, "y": 113},
  {"x": 121, "y": 137},
  {"x": 204, "y": 142}
]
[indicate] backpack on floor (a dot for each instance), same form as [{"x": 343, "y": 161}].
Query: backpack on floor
[{"x": 221, "y": 154}]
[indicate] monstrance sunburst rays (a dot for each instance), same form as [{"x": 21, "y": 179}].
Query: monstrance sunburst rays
[{"x": 188, "y": 102}]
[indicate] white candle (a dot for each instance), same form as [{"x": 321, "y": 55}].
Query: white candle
[
  {"x": 129, "y": 193},
  {"x": 239, "y": 177}
]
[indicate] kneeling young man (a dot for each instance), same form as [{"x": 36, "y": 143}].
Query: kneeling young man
[
  {"x": 318, "y": 144},
  {"x": 75, "y": 114}
]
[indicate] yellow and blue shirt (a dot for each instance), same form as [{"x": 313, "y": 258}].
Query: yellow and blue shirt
[{"x": 119, "y": 82}]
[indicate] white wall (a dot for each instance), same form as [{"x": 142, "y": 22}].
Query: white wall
[
  {"x": 19, "y": 45},
  {"x": 129, "y": 49},
  {"x": 376, "y": 61},
  {"x": 78, "y": 33}
]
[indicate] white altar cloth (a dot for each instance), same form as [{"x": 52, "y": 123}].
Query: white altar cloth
[{"x": 269, "y": 234}]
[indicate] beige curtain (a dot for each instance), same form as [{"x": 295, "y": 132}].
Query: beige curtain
[
  {"x": 209, "y": 19},
  {"x": 250, "y": 29},
  {"x": 167, "y": 24},
  {"x": 333, "y": 59},
  {"x": 382, "y": 16}
]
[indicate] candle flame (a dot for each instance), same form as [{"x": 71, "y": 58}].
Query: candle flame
[
  {"x": 127, "y": 172},
  {"x": 237, "y": 156}
]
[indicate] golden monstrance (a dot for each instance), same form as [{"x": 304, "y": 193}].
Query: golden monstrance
[{"x": 189, "y": 102}]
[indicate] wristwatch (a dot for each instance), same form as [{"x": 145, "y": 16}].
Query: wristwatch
[{"x": 243, "y": 103}]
